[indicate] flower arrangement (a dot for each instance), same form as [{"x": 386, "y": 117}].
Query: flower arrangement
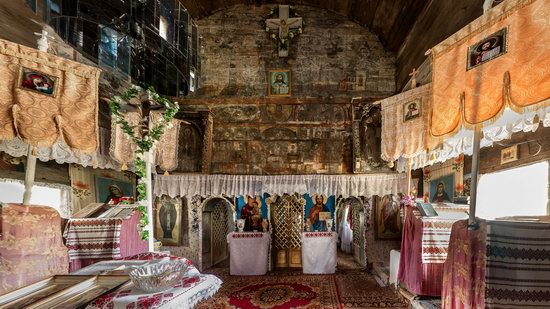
[
  {"x": 427, "y": 174},
  {"x": 459, "y": 189},
  {"x": 144, "y": 140},
  {"x": 458, "y": 163},
  {"x": 407, "y": 200}
]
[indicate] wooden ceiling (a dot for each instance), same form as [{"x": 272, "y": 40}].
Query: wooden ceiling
[{"x": 391, "y": 20}]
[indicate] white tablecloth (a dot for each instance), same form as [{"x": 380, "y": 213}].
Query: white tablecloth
[
  {"x": 248, "y": 253},
  {"x": 319, "y": 252}
]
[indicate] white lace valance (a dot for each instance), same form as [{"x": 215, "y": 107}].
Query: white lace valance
[
  {"x": 61, "y": 153},
  {"x": 462, "y": 143},
  {"x": 236, "y": 185}
]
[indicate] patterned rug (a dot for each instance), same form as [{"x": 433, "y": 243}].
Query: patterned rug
[
  {"x": 275, "y": 291},
  {"x": 360, "y": 290}
]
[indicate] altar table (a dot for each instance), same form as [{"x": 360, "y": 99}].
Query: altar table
[
  {"x": 193, "y": 288},
  {"x": 248, "y": 253},
  {"x": 503, "y": 264},
  {"x": 319, "y": 252},
  {"x": 424, "y": 249},
  {"x": 91, "y": 240}
]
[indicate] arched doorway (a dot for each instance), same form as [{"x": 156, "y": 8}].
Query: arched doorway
[
  {"x": 350, "y": 217},
  {"x": 218, "y": 220}
]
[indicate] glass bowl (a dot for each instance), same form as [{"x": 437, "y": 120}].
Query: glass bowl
[{"x": 158, "y": 277}]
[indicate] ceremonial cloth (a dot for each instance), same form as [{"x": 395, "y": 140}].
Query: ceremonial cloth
[
  {"x": 464, "y": 270},
  {"x": 43, "y": 97},
  {"x": 470, "y": 91},
  {"x": 93, "y": 239},
  {"x": 436, "y": 232},
  {"x": 402, "y": 137},
  {"x": 185, "y": 294},
  {"x": 319, "y": 252},
  {"x": 248, "y": 253},
  {"x": 31, "y": 246},
  {"x": 419, "y": 278},
  {"x": 518, "y": 265}
]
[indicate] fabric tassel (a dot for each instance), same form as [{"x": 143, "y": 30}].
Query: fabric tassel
[
  {"x": 166, "y": 173},
  {"x": 59, "y": 122},
  {"x": 14, "y": 111},
  {"x": 124, "y": 167}
]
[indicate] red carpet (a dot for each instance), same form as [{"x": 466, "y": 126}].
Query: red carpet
[{"x": 276, "y": 291}]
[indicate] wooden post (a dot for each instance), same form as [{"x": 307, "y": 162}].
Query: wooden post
[
  {"x": 149, "y": 192},
  {"x": 475, "y": 169},
  {"x": 30, "y": 171}
]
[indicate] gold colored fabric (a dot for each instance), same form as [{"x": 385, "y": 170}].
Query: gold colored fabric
[
  {"x": 166, "y": 149},
  {"x": 520, "y": 78},
  {"x": 405, "y": 138},
  {"x": 122, "y": 148},
  {"x": 39, "y": 119}
]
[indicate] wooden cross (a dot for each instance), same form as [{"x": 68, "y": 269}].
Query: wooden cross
[
  {"x": 413, "y": 77},
  {"x": 283, "y": 24}
]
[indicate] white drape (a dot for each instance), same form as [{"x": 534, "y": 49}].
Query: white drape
[{"x": 236, "y": 185}]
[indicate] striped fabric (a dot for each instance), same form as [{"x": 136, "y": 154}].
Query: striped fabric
[
  {"x": 437, "y": 232},
  {"x": 93, "y": 238},
  {"x": 518, "y": 265}
]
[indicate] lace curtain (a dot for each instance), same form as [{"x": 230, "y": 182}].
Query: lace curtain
[{"x": 236, "y": 185}]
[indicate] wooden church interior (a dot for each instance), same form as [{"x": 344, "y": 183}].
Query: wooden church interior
[{"x": 274, "y": 154}]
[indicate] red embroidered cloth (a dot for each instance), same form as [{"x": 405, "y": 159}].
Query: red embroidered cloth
[
  {"x": 419, "y": 278},
  {"x": 93, "y": 240},
  {"x": 318, "y": 234}
]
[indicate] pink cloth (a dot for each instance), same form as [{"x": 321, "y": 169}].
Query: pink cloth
[
  {"x": 419, "y": 278},
  {"x": 248, "y": 253},
  {"x": 464, "y": 272},
  {"x": 130, "y": 244},
  {"x": 31, "y": 246}
]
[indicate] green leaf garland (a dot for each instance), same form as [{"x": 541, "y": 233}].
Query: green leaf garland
[{"x": 144, "y": 143}]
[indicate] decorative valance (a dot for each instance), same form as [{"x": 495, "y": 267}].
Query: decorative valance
[
  {"x": 122, "y": 149},
  {"x": 61, "y": 153},
  {"x": 237, "y": 185},
  {"x": 44, "y": 97},
  {"x": 405, "y": 123},
  {"x": 499, "y": 60}
]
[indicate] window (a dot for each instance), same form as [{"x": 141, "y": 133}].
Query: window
[
  {"x": 521, "y": 191},
  {"x": 163, "y": 27},
  {"x": 53, "y": 195}
]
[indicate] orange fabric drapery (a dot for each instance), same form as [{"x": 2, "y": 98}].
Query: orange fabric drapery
[
  {"x": 39, "y": 118},
  {"x": 519, "y": 78}
]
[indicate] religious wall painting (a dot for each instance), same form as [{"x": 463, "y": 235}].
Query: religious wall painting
[
  {"x": 442, "y": 189},
  {"x": 36, "y": 81},
  {"x": 367, "y": 139},
  {"x": 194, "y": 142},
  {"x": 253, "y": 210},
  {"x": 171, "y": 221},
  {"x": 279, "y": 83},
  {"x": 387, "y": 218},
  {"x": 319, "y": 210},
  {"x": 412, "y": 109},
  {"x": 488, "y": 49},
  {"x": 108, "y": 189}
]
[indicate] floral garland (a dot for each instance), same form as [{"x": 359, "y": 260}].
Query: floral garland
[
  {"x": 145, "y": 142},
  {"x": 291, "y": 32}
]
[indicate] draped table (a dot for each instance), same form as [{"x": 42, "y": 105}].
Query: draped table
[
  {"x": 185, "y": 294},
  {"x": 91, "y": 240},
  {"x": 424, "y": 249},
  {"x": 319, "y": 252},
  {"x": 248, "y": 253},
  {"x": 502, "y": 264}
]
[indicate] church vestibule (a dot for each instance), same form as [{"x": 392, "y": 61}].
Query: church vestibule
[{"x": 350, "y": 225}]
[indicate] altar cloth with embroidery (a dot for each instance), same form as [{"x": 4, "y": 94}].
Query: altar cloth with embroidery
[
  {"x": 248, "y": 253},
  {"x": 319, "y": 252}
]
